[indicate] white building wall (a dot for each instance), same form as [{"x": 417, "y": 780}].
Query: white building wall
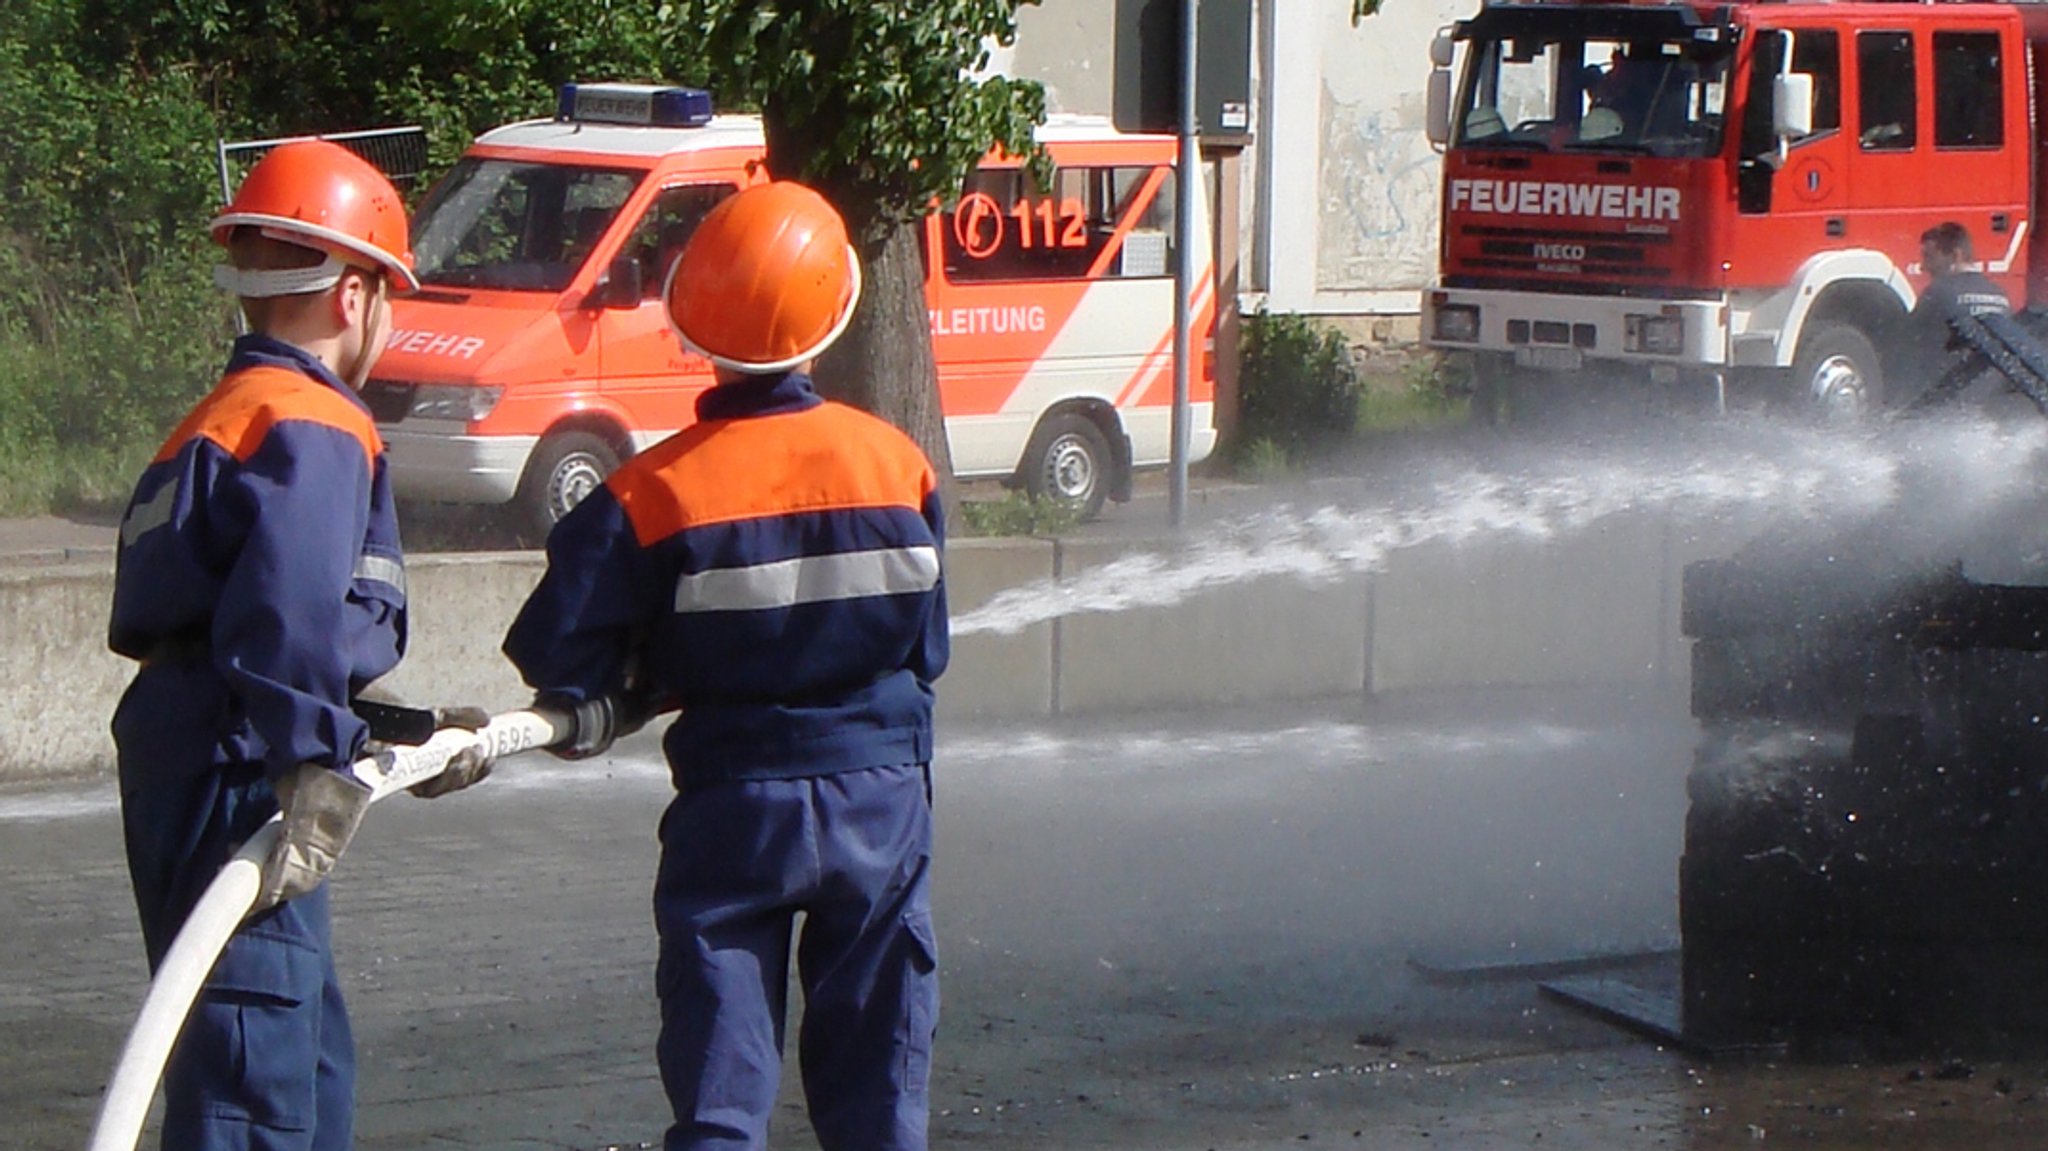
[{"x": 1340, "y": 209}]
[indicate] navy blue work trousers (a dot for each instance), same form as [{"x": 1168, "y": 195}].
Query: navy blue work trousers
[
  {"x": 740, "y": 859},
  {"x": 266, "y": 1061}
]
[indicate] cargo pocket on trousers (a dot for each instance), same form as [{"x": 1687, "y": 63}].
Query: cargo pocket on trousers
[
  {"x": 252, "y": 1049},
  {"x": 920, "y": 1002}
]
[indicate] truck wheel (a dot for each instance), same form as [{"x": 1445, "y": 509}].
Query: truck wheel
[
  {"x": 566, "y": 466},
  {"x": 1069, "y": 461},
  {"x": 1837, "y": 375}
]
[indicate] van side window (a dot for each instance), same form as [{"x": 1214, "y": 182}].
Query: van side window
[
  {"x": 1885, "y": 93},
  {"x": 658, "y": 239},
  {"x": 1094, "y": 223},
  {"x": 1969, "y": 99}
]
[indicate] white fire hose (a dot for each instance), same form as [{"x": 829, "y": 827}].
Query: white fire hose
[{"x": 229, "y": 898}]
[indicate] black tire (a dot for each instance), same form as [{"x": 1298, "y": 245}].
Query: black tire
[
  {"x": 564, "y": 468},
  {"x": 1069, "y": 461},
  {"x": 1838, "y": 375}
]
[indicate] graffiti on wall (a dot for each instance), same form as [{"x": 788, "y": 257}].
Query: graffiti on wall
[{"x": 1379, "y": 184}]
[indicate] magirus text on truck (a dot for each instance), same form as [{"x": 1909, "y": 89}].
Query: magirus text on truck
[{"x": 1726, "y": 196}]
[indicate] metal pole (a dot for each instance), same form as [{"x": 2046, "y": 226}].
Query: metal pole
[{"x": 1184, "y": 266}]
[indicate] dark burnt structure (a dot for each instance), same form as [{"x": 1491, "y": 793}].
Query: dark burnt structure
[{"x": 1866, "y": 851}]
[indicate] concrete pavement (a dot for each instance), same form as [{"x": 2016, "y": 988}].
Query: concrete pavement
[{"x": 1167, "y": 931}]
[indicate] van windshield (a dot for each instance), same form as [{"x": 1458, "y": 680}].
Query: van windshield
[
  {"x": 1568, "y": 89},
  {"x": 514, "y": 225}
]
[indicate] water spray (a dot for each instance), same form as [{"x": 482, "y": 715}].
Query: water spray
[{"x": 1927, "y": 467}]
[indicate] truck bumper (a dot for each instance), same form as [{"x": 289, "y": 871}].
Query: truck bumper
[
  {"x": 1548, "y": 330},
  {"x": 438, "y": 462}
]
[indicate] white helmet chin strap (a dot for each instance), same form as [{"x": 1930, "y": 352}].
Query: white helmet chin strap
[{"x": 266, "y": 283}]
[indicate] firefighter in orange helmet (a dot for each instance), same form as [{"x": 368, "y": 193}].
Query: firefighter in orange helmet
[
  {"x": 774, "y": 571},
  {"x": 260, "y": 584}
]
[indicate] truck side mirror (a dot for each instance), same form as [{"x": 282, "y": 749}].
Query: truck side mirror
[
  {"x": 619, "y": 287},
  {"x": 1792, "y": 105},
  {"x": 1441, "y": 49},
  {"x": 1439, "y": 105}
]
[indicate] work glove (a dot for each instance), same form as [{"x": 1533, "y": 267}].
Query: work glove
[
  {"x": 322, "y": 809},
  {"x": 466, "y": 767},
  {"x": 593, "y": 724}
]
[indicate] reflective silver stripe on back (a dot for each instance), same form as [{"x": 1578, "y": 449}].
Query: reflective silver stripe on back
[
  {"x": 810, "y": 579},
  {"x": 381, "y": 569},
  {"x": 145, "y": 518}
]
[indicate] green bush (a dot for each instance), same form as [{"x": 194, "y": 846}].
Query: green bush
[
  {"x": 1016, "y": 515},
  {"x": 1298, "y": 387},
  {"x": 1261, "y": 460},
  {"x": 1427, "y": 391},
  {"x": 84, "y": 406}
]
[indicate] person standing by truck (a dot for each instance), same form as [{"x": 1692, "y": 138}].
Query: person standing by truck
[
  {"x": 1956, "y": 293},
  {"x": 260, "y": 583},
  {"x": 774, "y": 571}
]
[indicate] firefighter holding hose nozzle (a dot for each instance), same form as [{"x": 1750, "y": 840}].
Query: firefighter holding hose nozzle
[
  {"x": 774, "y": 571},
  {"x": 260, "y": 584}
]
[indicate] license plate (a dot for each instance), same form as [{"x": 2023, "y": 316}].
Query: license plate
[{"x": 1550, "y": 359}]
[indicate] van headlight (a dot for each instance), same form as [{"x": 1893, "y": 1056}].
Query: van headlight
[
  {"x": 1456, "y": 323},
  {"x": 454, "y": 402}
]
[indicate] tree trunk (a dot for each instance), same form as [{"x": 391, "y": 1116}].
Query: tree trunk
[{"x": 883, "y": 364}]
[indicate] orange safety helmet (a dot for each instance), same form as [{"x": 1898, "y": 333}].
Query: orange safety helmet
[
  {"x": 319, "y": 195},
  {"x": 767, "y": 281}
]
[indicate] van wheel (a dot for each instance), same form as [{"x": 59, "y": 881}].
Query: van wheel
[
  {"x": 1836, "y": 375},
  {"x": 566, "y": 466},
  {"x": 1069, "y": 461}
]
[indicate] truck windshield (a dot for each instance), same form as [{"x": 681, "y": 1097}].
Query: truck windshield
[
  {"x": 1586, "y": 91},
  {"x": 514, "y": 225}
]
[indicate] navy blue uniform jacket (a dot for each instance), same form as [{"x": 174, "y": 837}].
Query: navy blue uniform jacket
[
  {"x": 774, "y": 569},
  {"x": 262, "y": 538}
]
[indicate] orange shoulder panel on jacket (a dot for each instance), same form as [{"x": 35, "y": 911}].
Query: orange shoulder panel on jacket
[
  {"x": 240, "y": 411},
  {"x": 826, "y": 458}
]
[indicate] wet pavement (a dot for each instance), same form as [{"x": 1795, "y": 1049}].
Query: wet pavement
[{"x": 1238, "y": 929}]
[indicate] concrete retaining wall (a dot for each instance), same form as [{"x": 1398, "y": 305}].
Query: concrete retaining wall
[{"x": 1600, "y": 607}]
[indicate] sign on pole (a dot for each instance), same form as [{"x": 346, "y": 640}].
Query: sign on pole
[{"x": 1183, "y": 66}]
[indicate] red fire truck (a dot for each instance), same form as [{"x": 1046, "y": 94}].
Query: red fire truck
[{"x": 1730, "y": 194}]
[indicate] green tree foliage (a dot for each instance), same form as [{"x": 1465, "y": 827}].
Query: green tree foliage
[
  {"x": 108, "y": 327},
  {"x": 878, "y": 106},
  {"x": 106, "y": 321}
]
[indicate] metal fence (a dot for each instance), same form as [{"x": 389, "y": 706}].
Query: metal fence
[{"x": 400, "y": 153}]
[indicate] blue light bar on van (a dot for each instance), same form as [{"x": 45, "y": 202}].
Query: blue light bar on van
[{"x": 652, "y": 105}]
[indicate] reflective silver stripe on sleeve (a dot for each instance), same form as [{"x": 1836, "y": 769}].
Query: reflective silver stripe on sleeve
[
  {"x": 145, "y": 518},
  {"x": 810, "y": 579},
  {"x": 382, "y": 569}
]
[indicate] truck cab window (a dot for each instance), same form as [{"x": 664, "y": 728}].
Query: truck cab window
[
  {"x": 1885, "y": 96},
  {"x": 1969, "y": 87},
  {"x": 1816, "y": 52},
  {"x": 1652, "y": 94}
]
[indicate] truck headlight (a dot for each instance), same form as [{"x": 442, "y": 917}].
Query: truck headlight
[
  {"x": 1456, "y": 323},
  {"x": 454, "y": 402},
  {"x": 1659, "y": 335}
]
